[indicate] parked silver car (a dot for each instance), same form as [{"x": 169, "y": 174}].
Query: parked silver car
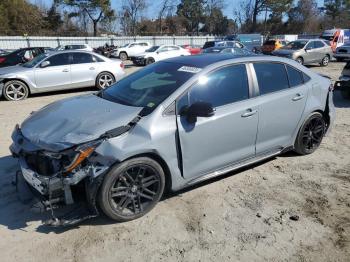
[
  {"x": 343, "y": 52},
  {"x": 307, "y": 51},
  {"x": 171, "y": 125},
  {"x": 58, "y": 71}
]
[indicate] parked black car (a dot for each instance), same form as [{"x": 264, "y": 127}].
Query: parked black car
[{"x": 20, "y": 56}]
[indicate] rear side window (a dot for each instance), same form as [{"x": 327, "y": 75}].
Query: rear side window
[
  {"x": 295, "y": 77},
  {"x": 222, "y": 87},
  {"x": 306, "y": 78},
  {"x": 272, "y": 77},
  {"x": 82, "y": 58}
]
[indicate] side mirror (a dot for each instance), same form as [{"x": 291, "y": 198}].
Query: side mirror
[
  {"x": 45, "y": 64},
  {"x": 197, "y": 109},
  {"x": 157, "y": 52},
  {"x": 307, "y": 49}
]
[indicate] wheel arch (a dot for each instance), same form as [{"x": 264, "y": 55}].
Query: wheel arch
[
  {"x": 5, "y": 80},
  {"x": 105, "y": 71},
  {"x": 162, "y": 163}
]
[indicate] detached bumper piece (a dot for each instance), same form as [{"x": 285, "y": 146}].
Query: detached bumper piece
[{"x": 61, "y": 215}]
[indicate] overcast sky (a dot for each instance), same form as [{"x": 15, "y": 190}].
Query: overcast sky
[{"x": 228, "y": 10}]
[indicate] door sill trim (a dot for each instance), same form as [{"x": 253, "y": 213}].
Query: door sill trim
[{"x": 236, "y": 166}]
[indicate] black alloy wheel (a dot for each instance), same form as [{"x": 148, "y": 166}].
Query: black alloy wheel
[
  {"x": 132, "y": 189},
  {"x": 311, "y": 134}
]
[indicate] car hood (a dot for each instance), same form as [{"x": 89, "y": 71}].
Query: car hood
[
  {"x": 76, "y": 120},
  {"x": 13, "y": 70}
]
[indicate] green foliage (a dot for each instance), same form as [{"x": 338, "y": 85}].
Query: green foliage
[
  {"x": 192, "y": 14},
  {"x": 18, "y": 17}
]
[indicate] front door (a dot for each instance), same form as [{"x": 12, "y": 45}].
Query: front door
[
  {"x": 311, "y": 53},
  {"x": 227, "y": 137},
  {"x": 56, "y": 75},
  {"x": 282, "y": 99}
]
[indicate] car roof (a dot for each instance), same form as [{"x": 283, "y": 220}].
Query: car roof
[{"x": 204, "y": 60}]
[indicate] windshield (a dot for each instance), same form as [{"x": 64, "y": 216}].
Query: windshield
[
  {"x": 295, "y": 45},
  {"x": 36, "y": 60},
  {"x": 153, "y": 48},
  {"x": 149, "y": 86}
]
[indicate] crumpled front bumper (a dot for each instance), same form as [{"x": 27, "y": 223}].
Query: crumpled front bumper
[{"x": 56, "y": 190}]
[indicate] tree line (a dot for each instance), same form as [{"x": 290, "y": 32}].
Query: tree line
[{"x": 171, "y": 17}]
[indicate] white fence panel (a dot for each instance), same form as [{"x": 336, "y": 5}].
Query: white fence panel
[{"x": 15, "y": 42}]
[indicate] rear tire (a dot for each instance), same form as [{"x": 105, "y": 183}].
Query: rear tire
[
  {"x": 15, "y": 90},
  {"x": 104, "y": 80},
  {"x": 131, "y": 189},
  {"x": 310, "y": 134},
  {"x": 325, "y": 61},
  {"x": 150, "y": 60}
]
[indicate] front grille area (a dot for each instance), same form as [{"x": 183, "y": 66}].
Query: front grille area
[{"x": 41, "y": 164}]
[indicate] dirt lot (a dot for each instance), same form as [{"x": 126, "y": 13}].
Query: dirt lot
[{"x": 287, "y": 209}]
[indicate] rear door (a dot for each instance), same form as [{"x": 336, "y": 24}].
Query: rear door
[
  {"x": 174, "y": 51},
  {"x": 84, "y": 69},
  {"x": 282, "y": 98},
  {"x": 57, "y": 75},
  {"x": 227, "y": 137}
]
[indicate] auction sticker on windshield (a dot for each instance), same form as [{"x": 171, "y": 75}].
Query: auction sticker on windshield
[{"x": 189, "y": 69}]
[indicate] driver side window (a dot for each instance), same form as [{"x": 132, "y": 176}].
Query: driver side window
[
  {"x": 58, "y": 60},
  {"x": 310, "y": 45},
  {"x": 163, "y": 49},
  {"x": 224, "y": 86}
]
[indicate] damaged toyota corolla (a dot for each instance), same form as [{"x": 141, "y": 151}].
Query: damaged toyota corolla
[{"x": 168, "y": 126}]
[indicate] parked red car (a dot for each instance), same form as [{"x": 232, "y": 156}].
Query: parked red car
[{"x": 193, "y": 49}]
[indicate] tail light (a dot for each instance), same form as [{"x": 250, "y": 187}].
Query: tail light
[
  {"x": 122, "y": 65},
  {"x": 2, "y": 59}
]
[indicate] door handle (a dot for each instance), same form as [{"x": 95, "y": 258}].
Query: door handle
[
  {"x": 65, "y": 70},
  {"x": 298, "y": 97},
  {"x": 249, "y": 113},
  {"x": 92, "y": 68}
]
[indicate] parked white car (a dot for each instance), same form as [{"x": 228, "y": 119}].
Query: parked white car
[
  {"x": 131, "y": 50},
  {"x": 84, "y": 47},
  {"x": 157, "y": 53}
]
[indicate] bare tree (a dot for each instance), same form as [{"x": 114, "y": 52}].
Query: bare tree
[
  {"x": 131, "y": 13},
  {"x": 165, "y": 9}
]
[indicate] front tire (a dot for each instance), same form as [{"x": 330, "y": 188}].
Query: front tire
[
  {"x": 132, "y": 189},
  {"x": 123, "y": 56},
  {"x": 104, "y": 80},
  {"x": 300, "y": 60},
  {"x": 310, "y": 134},
  {"x": 15, "y": 90}
]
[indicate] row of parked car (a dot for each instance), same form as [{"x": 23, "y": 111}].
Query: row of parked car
[{"x": 39, "y": 69}]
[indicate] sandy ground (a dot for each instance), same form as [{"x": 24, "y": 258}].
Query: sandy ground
[{"x": 290, "y": 208}]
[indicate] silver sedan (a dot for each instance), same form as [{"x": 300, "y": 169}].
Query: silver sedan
[{"x": 59, "y": 71}]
